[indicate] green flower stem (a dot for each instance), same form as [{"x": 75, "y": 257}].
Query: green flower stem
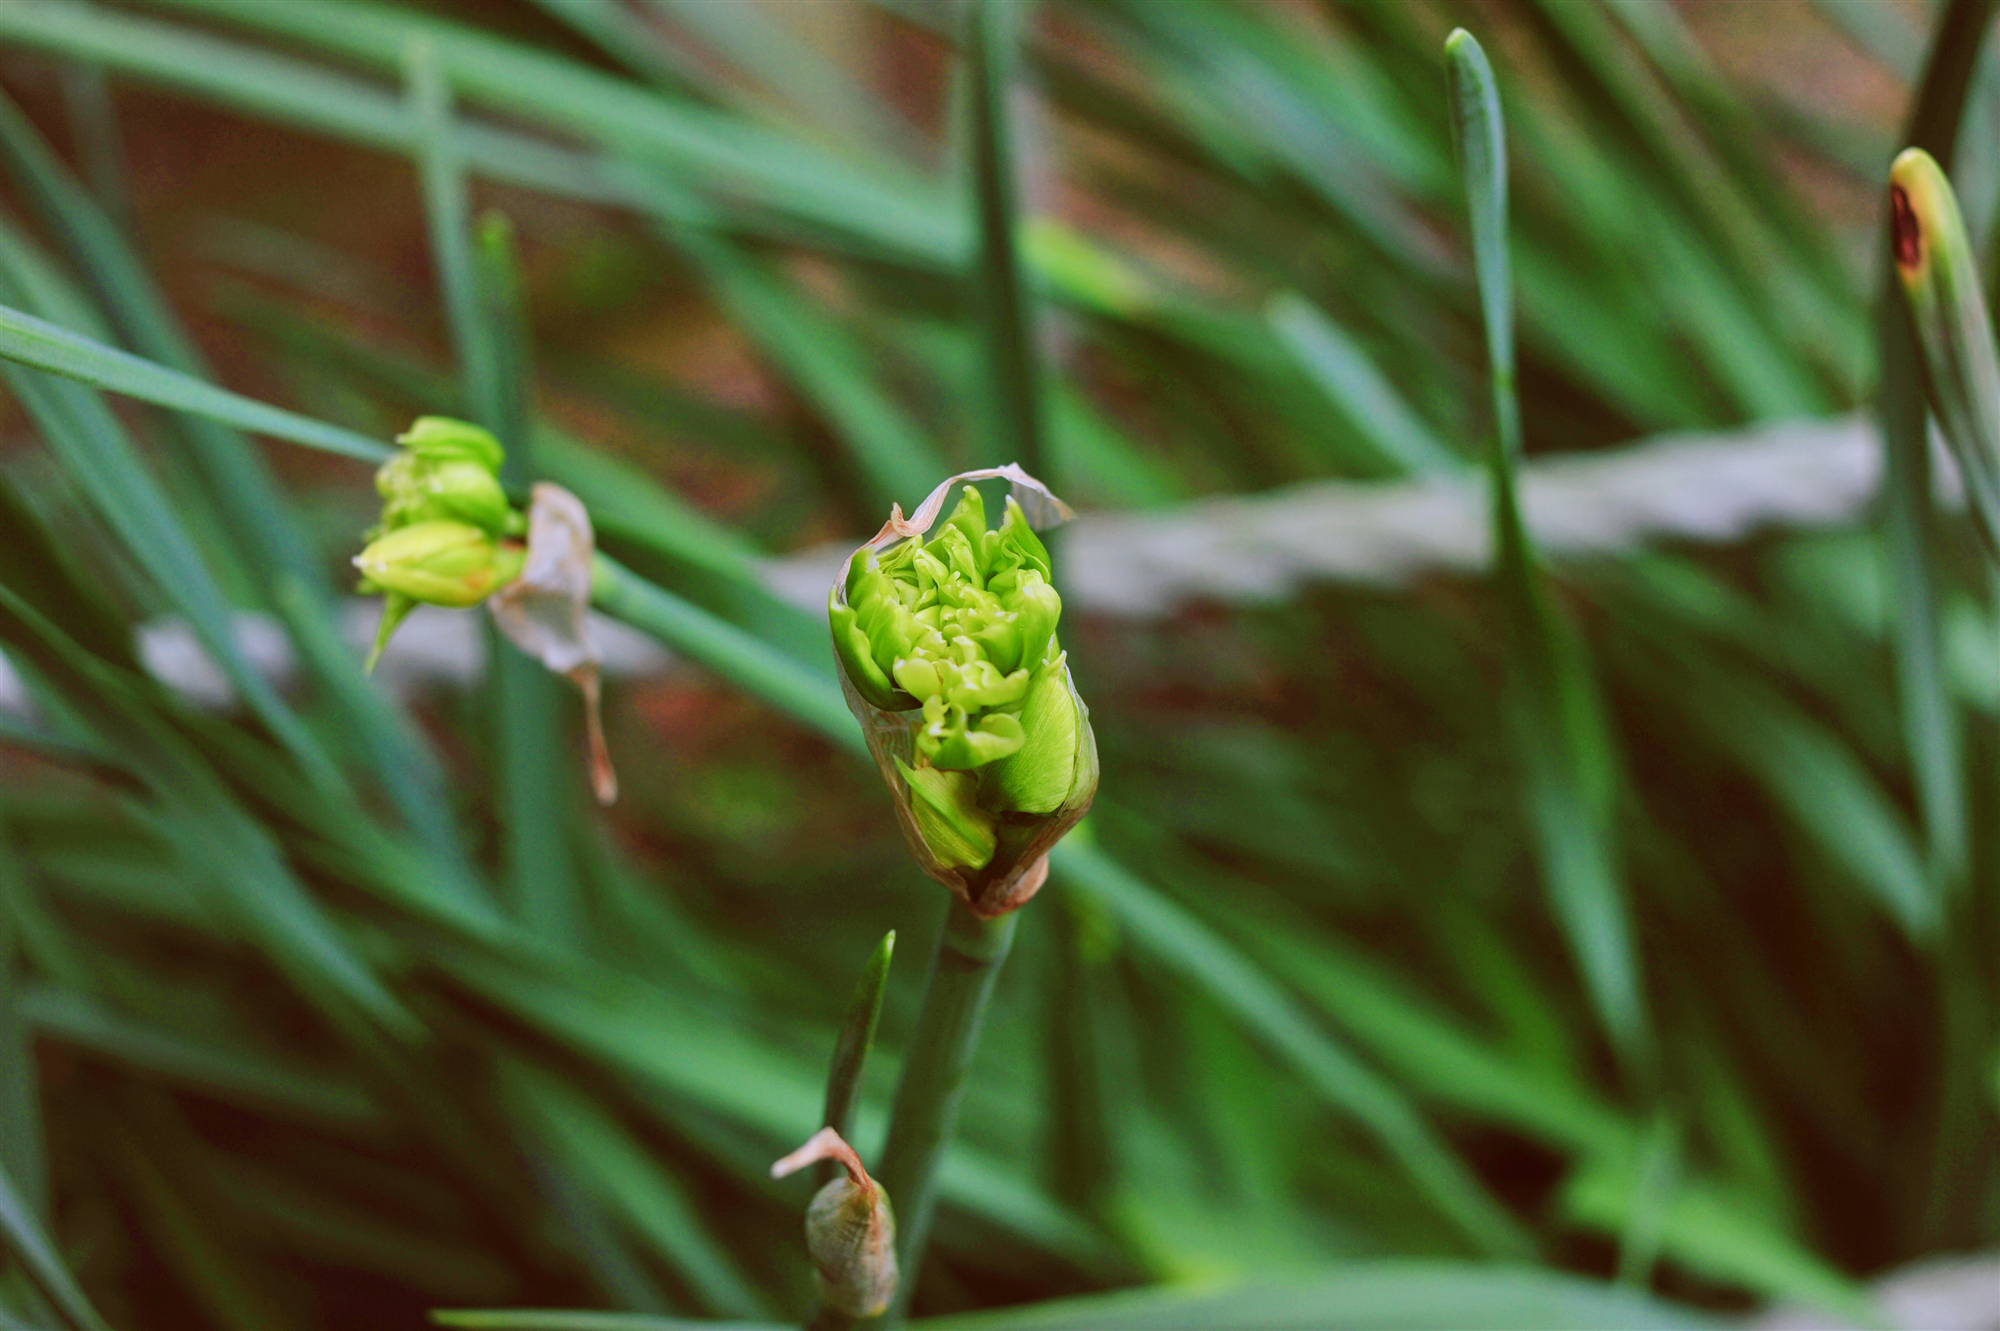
[{"x": 963, "y": 969}]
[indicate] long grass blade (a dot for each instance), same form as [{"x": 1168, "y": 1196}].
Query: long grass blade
[
  {"x": 34, "y": 342},
  {"x": 1560, "y": 730}
]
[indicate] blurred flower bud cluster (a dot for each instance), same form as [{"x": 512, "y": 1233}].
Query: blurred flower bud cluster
[{"x": 448, "y": 535}]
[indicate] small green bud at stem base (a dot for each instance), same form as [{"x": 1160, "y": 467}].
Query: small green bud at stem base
[{"x": 850, "y": 1230}]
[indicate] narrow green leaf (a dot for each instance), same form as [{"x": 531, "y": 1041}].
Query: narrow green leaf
[
  {"x": 218, "y": 844},
  {"x": 34, "y": 342},
  {"x": 241, "y": 482},
  {"x": 1392, "y": 1295},
  {"x": 89, "y": 440},
  {"x": 1559, "y": 729},
  {"x": 93, "y": 122},
  {"x": 212, "y": 1064},
  {"x": 180, "y": 1228},
  {"x": 857, "y": 1037},
  {"x": 550, "y": 1319},
  {"x": 1713, "y": 1234},
  {"x": 1954, "y": 332},
  {"x": 878, "y": 203},
  {"x": 292, "y": 92},
  {"x": 440, "y": 168},
  {"x": 237, "y": 476},
  {"x": 739, "y": 657}
]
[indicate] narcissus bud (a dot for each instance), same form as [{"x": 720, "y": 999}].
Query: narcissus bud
[
  {"x": 1954, "y": 334},
  {"x": 433, "y": 563},
  {"x": 949, "y": 659},
  {"x": 448, "y": 471},
  {"x": 416, "y": 489},
  {"x": 442, "y": 438},
  {"x": 447, "y": 537},
  {"x": 850, "y": 1230},
  {"x": 439, "y": 563}
]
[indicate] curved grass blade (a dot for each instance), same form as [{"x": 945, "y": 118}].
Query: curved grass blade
[
  {"x": 1952, "y": 68},
  {"x": 218, "y": 843},
  {"x": 292, "y": 92},
  {"x": 446, "y": 211},
  {"x": 601, "y": 1154},
  {"x": 738, "y": 656},
  {"x": 1559, "y": 728},
  {"x": 875, "y": 202},
  {"x": 537, "y": 770},
  {"x": 238, "y": 477},
  {"x": 1343, "y": 371},
  {"x": 483, "y": 310},
  {"x": 33, "y": 342},
  {"x": 80, "y": 429}
]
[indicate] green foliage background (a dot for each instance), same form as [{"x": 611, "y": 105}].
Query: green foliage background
[{"x": 1611, "y": 945}]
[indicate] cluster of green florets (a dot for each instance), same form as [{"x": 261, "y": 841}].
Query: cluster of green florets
[
  {"x": 448, "y": 536},
  {"x": 963, "y": 628}
]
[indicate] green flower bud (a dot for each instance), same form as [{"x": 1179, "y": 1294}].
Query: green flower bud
[
  {"x": 949, "y": 658},
  {"x": 439, "y": 563},
  {"x": 1953, "y": 331},
  {"x": 440, "y": 438},
  {"x": 850, "y": 1230},
  {"x": 416, "y": 487}
]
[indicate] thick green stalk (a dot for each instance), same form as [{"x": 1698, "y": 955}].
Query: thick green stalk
[{"x": 963, "y": 969}]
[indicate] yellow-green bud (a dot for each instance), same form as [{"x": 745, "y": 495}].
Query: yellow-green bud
[
  {"x": 950, "y": 660},
  {"x": 419, "y": 488},
  {"x": 1954, "y": 334},
  {"x": 850, "y": 1230},
  {"x": 442, "y": 438},
  {"x": 439, "y": 563}
]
